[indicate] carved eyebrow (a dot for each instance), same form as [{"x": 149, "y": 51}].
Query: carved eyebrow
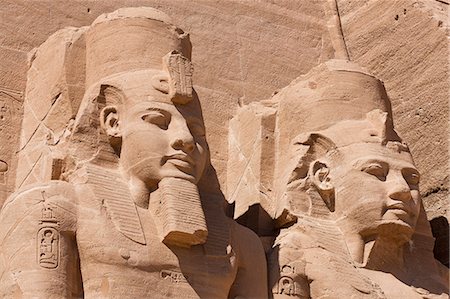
[
  {"x": 358, "y": 164},
  {"x": 155, "y": 109}
]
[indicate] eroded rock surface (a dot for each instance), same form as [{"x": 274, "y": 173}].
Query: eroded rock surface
[
  {"x": 245, "y": 51},
  {"x": 105, "y": 169},
  {"x": 111, "y": 199},
  {"x": 342, "y": 190}
]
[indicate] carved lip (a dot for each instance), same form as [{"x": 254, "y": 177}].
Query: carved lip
[
  {"x": 181, "y": 157},
  {"x": 399, "y": 206},
  {"x": 181, "y": 161}
]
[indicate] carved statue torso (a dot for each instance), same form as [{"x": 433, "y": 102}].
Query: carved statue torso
[
  {"x": 394, "y": 288},
  {"x": 310, "y": 260},
  {"x": 122, "y": 128},
  {"x": 151, "y": 270},
  {"x": 112, "y": 264},
  {"x": 63, "y": 220}
]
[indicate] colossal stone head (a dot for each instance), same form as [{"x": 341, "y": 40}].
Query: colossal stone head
[
  {"x": 118, "y": 94},
  {"x": 141, "y": 89},
  {"x": 358, "y": 175},
  {"x": 346, "y": 162},
  {"x": 332, "y": 92},
  {"x": 325, "y": 147}
]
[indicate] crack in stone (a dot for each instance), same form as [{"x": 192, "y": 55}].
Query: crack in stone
[{"x": 435, "y": 190}]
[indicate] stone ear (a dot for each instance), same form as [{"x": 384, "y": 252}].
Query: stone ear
[
  {"x": 109, "y": 120},
  {"x": 319, "y": 175}
]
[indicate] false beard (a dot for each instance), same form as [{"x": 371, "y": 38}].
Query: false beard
[{"x": 179, "y": 213}]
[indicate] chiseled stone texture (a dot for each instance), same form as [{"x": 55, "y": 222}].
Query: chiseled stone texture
[
  {"x": 405, "y": 43},
  {"x": 339, "y": 188},
  {"x": 245, "y": 50},
  {"x": 111, "y": 173},
  {"x": 86, "y": 115}
]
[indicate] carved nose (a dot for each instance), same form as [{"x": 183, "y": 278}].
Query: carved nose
[
  {"x": 399, "y": 189},
  {"x": 184, "y": 142}
]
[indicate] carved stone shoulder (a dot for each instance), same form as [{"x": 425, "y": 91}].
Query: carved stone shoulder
[
  {"x": 310, "y": 258},
  {"x": 37, "y": 239},
  {"x": 108, "y": 188},
  {"x": 53, "y": 202}
]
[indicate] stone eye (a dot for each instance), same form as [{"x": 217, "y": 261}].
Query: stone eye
[
  {"x": 411, "y": 176},
  {"x": 376, "y": 170},
  {"x": 157, "y": 118}
]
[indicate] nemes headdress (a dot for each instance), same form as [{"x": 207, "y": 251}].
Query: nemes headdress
[
  {"x": 138, "y": 39},
  {"x": 333, "y": 92},
  {"x": 135, "y": 55},
  {"x": 71, "y": 72},
  {"x": 132, "y": 55}
]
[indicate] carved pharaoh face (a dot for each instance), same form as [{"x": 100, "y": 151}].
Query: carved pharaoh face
[
  {"x": 367, "y": 178},
  {"x": 376, "y": 190},
  {"x": 364, "y": 174},
  {"x": 159, "y": 138},
  {"x": 162, "y": 140}
]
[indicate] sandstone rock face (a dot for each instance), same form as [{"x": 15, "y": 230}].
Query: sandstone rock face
[
  {"x": 394, "y": 48},
  {"x": 110, "y": 200},
  {"x": 244, "y": 51},
  {"x": 406, "y": 44},
  {"x": 75, "y": 158},
  {"x": 341, "y": 187}
]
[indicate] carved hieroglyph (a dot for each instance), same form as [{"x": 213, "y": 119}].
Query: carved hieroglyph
[
  {"x": 321, "y": 163},
  {"x": 109, "y": 201},
  {"x": 10, "y": 102}
]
